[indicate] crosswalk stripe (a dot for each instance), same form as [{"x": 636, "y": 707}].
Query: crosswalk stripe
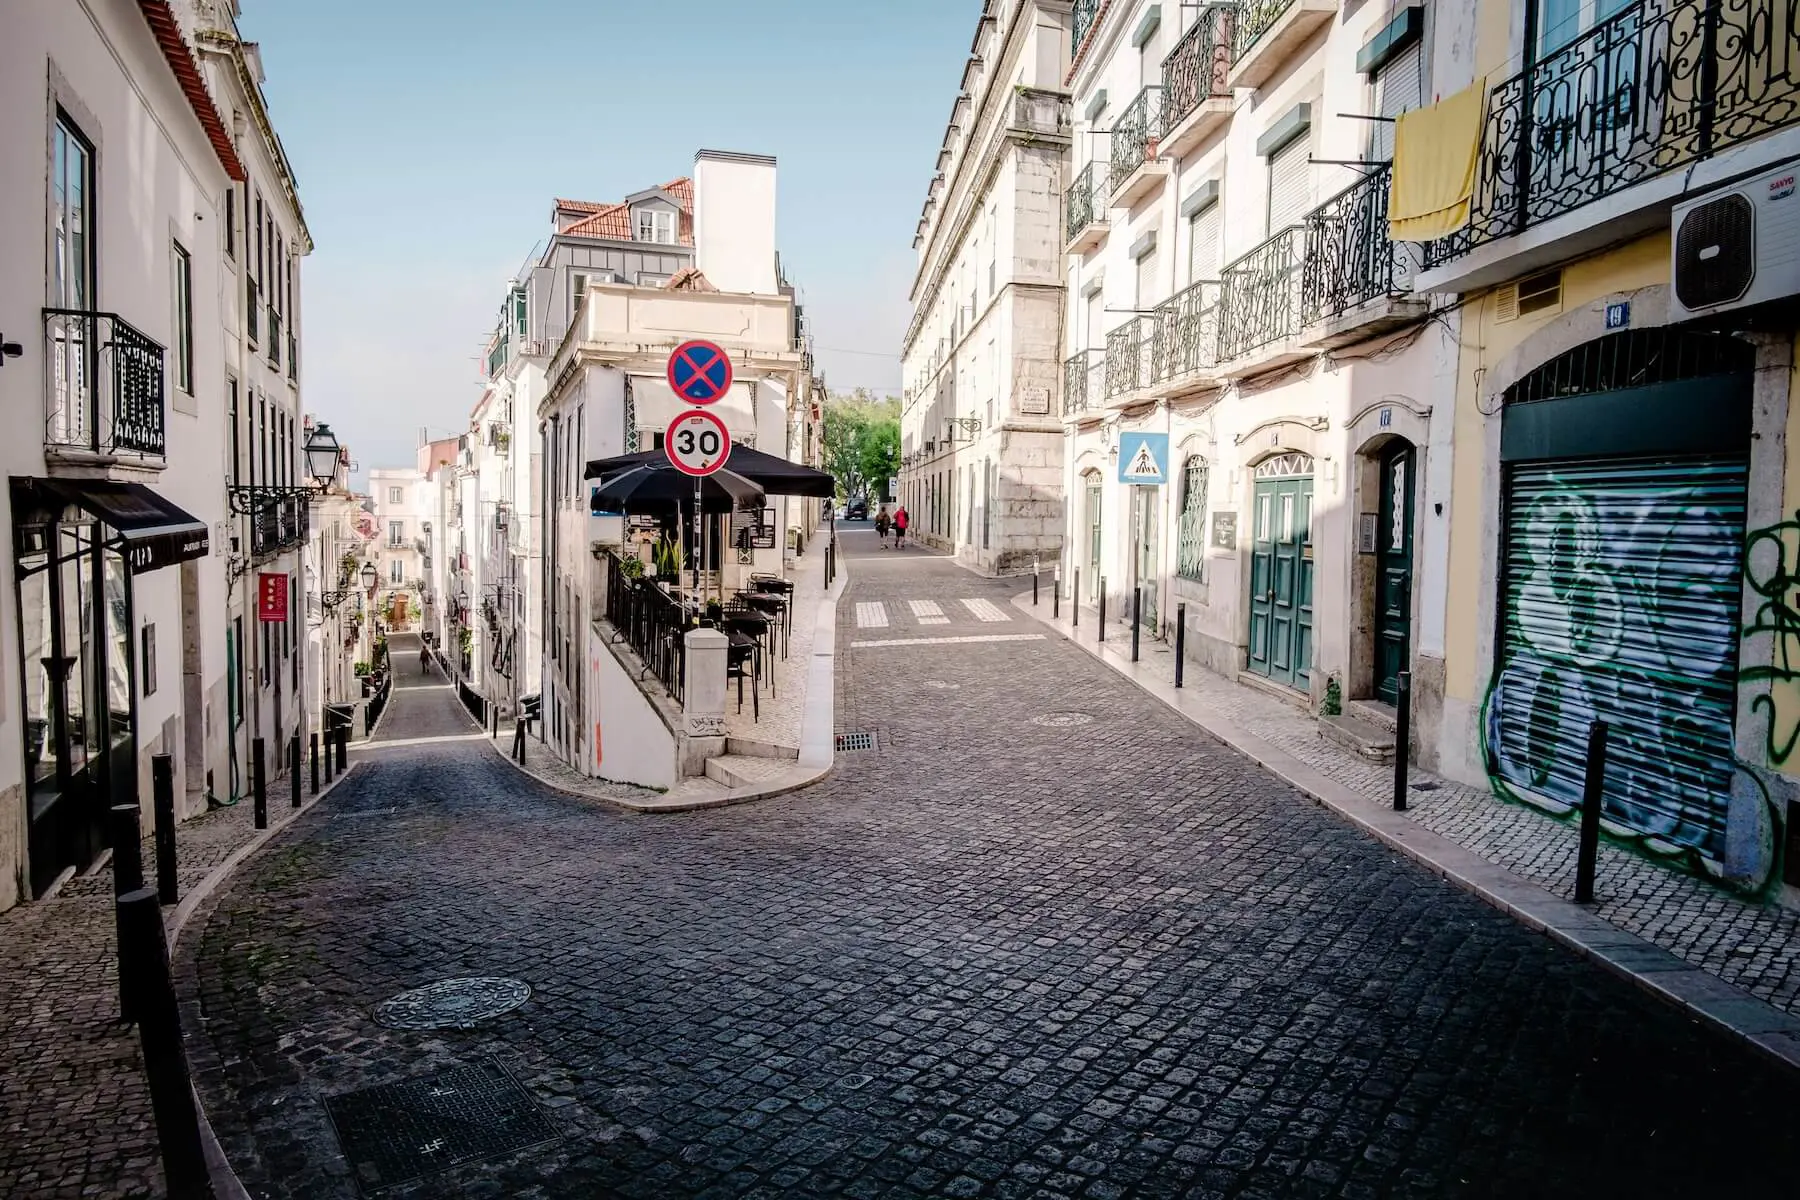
[
  {"x": 953, "y": 641},
  {"x": 985, "y": 610},
  {"x": 871, "y": 614},
  {"x": 928, "y": 612}
]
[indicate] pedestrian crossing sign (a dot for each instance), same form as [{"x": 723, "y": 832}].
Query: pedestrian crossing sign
[{"x": 1144, "y": 458}]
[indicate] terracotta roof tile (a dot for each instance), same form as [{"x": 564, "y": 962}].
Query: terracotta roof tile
[
  {"x": 614, "y": 220},
  {"x": 180, "y": 58}
]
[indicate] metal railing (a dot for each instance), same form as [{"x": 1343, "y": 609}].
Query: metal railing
[
  {"x": 1349, "y": 259},
  {"x": 1129, "y": 356},
  {"x": 1083, "y": 381},
  {"x": 651, "y": 623},
  {"x": 1187, "y": 332},
  {"x": 1082, "y": 20},
  {"x": 1196, "y": 69},
  {"x": 1654, "y": 87},
  {"x": 1261, "y": 295},
  {"x": 1085, "y": 201},
  {"x": 105, "y": 384},
  {"x": 1135, "y": 134},
  {"x": 1255, "y": 18},
  {"x": 278, "y": 523},
  {"x": 252, "y": 305}
]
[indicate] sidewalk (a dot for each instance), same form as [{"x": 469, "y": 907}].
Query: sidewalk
[
  {"x": 74, "y": 1106},
  {"x": 1687, "y": 937}
]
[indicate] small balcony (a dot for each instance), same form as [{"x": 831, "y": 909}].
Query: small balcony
[
  {"x": 277, "y": 524},
  {"x": 1616, "y": 115},
  {"x": 1136, "y": 134},
  {"x": 1260, "y": 295},
  {"x": 1084, "y": 382},
  {"x": 1268, "y": 32},
  {"x": 1196, "y": 96},
  {"x": 1085, "y": 208},
  {"x": 106, "y": 405},
  {"x": 1354, "y": 282},
  {"x": 1041, "y": 114},
  {"x": 1130, "y": 360},
  {"x": 1186, "y": 354}
]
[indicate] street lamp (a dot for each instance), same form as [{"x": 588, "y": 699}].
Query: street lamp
[
  {"x": 369, "y": 576},
  {"x": 322, "y": 455}
]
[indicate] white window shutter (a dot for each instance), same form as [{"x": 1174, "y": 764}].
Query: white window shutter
[
  {"x": 1290, "y": 184},
  {"x": 1399, "y": 88},
  {"x": 1203, "y": 244}
]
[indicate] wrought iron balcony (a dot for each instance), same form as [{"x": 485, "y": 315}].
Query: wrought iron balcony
[
  {"x": 1267, "y": 33},
  {"x": 1083, "y": 382},
  {"x": 1254, "y": 19},
  {"x": 1349, "y": 259},
  {"x": 1085, "y": 205},
  {"x": 1651, "y": 89},
  {"x": 1135, "y": 134},
  {"x": 106, "y": 382},
  {"x": 1082, "y": 20},
  {"x": 1261, "y": 295},
  {"x": 1187, "y": 333},
  {"x": 1130, "y": 357},
  {"x": 277, "y": 522},
  {"x": 1196, "y": 71}
]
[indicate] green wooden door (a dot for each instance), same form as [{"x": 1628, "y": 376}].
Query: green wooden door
[
  {"x": 1394, "y": 572},
  {"x": 1281, "y": 564}
]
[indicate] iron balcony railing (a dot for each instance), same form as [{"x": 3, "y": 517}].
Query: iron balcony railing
[
  {"x": 1349, "y": 259},
  {"x": 1086, "y": 199},
  {"x": 496, "y": 359},
  {"x": 1654, "y": 87},
  {"x": 650, "y": 622},
  {"x": 1261, "y": 295},
  {"x": 1082, "y": 20},
  {"x": 1255, "y": 18},
  {"x": 1187, "y": 332},
  {"x": 252, "y": 304},
  {"x": 1196, "y": 69},
  {"x": 105, "y": 382},
  {"x": 1130, "y": 356},
  {"x": 278, "y": 523},
  {"x": 1135, "y": 134},
  {"x": 1083, "y": 381}
]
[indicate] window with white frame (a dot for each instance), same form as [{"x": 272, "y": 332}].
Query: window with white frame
[
  {"x": 394, "y": 571},
  {"x": 396, "y": 533},
  {"x": 578, "y": 285},
  {"x": 656, "y": 225},
  {"x": 393, "y": 495},
  {"x": 181, "y": 270}
]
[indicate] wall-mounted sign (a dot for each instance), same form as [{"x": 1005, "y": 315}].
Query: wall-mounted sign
[
  {"x": 1365, "y": 533},
  {"x": 1034, "y": 401},
  {"x": 1224, "y": 530},
  {"x": 272, "y": 596},
  {"x": 1144, "y": 458},
  {"x": 753, "y": 530},
  {"x": 1618, "y": 316}
]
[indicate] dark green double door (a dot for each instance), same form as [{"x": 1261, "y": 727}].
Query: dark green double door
[
  {"x": 1281, "y": 575},
  {"x": 1394, "y": 572}
]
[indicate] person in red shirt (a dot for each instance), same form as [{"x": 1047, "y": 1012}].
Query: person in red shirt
[{"x": 901, "y": 521}]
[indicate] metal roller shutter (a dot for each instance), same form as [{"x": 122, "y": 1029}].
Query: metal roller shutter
[
  {"x": 1203, "y": 244},
  {"x": 1399, "y": 88},
  {"x": 1620, "y": 603},
  {"x": 1290, "y": 184}
]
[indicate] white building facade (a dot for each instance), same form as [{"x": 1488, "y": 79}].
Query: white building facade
[
  {"x": 1231, "y": 287},
  {"x": 400, "y": 502},
  {"x": 981, "y": 441}
]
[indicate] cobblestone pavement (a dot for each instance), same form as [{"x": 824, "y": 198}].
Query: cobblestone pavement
[
  {"x": 978, "y": 960},
  {"x": 1750, "y": 945},
  {"x": 74, "y": 1108}
]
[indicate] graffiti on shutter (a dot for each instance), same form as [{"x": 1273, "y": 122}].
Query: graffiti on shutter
[{"x": 1620, "y": 603}]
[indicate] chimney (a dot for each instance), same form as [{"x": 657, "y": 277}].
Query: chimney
[{"x": 734, "y": 221}]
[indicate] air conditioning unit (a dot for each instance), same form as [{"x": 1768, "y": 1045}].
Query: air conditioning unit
[{"x": 1737, "y": 246}]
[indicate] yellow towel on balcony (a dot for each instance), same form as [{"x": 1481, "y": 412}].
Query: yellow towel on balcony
[{"x": 1435, "y": 152}]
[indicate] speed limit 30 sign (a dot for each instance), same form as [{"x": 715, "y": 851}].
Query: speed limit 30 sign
[{"x": 697, "y": 443}]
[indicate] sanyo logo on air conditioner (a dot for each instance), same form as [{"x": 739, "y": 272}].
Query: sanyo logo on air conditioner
[
  {"x": 1737, "y": 245},
  {"x": 1781, "y": 189}
]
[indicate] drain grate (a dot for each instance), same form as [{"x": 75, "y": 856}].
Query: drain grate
[
  {"x": 452, "y": 1003},
  {"x": 398, "y": 1132},
  {"x": 855, "y": 741}
]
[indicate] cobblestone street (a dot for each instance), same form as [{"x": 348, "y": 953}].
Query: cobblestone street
[{"x": 966, "y": 964}]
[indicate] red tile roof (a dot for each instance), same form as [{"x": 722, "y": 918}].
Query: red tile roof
[
  {"x": 167, "y": 32},
  {"x": 614, "y": 220}
]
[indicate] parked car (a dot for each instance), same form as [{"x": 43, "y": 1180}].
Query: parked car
[{"x": 858, "y": 511}]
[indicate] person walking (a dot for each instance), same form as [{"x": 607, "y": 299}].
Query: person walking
[
  {"x": 901, "y": 521},
  {"x": 881, "y": 525}
]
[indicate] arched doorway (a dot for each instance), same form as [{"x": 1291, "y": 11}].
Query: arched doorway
[
  {"x": 1281, "y": 568},
  {"x": 1394, "y": 567}
]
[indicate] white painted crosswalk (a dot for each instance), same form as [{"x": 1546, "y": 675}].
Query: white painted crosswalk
[
  {"x": 928, "y": 613},
  {"x": 877, "y": 614},
  {"x": 871, "y": 614},
  {"x": 985, "y": 610}
]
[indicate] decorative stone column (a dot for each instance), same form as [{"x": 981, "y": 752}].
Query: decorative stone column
[{"x": 703, "y": 699}]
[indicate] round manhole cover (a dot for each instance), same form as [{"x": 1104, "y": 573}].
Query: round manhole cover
[
  {"x": 452, "y": 1003},
  {"x": 1062, "y": 720},
  {"x": 942, "y": 685}
]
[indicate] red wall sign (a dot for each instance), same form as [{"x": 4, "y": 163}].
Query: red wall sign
[{"x": 272, "y": 596}]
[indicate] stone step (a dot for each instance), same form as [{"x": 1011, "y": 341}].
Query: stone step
[
  {"x": 1376, "y": 712},
  {"x": 742, "y": 770},
  {"x": 745, "y": 748},
  {"x": 1365, "y": 738}
]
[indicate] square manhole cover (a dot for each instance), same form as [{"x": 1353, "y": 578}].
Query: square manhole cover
[
  {"x": 395, "y": 1133},
  {"x": 855, "y": 741}
]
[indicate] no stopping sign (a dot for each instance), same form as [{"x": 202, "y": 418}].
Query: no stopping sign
[{"x": 697, "y": 443}]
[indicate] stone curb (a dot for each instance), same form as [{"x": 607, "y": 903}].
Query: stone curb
[
  {"x": 817, "y": 732},
  {"x": 1705, "y": 997},
  {"x": 226, "y": 1184}
]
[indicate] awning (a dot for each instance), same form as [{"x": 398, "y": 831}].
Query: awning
[{"x": 149, "y": 530}]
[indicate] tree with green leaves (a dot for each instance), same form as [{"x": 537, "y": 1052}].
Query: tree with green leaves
[{"x": 862, "y": 442}]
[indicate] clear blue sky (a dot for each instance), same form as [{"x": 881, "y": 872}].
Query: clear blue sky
[{"x": 429, "y": 137}]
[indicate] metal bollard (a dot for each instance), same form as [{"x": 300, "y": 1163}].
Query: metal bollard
[
  {"x": 1101, "y": 636},
  {"x": 294, "y": 772},
  {"x": 1402, "y": 736},
  {"x": 1056, "y": 593},
  {"x": 343, "y": 749},
  {"x": 495, "y": 710},
  {"x": 1075, "y": 602},
  {"x": 1034, "y": 582},
  {"x": 312, "y": 746},
  {"x": 518, "y": 751},
  {"x": 259, "y": 786},
  {"x": 1137, "y": 595},
  {"x": 1593, "y": 786},
  {"x": 368, "y": 718},
  {"x": 1180, "y": 640},
  {"x": 162, "y": 788},
  {"x": 128, "y": 876},
  {"x": 165, "y": 1059}
]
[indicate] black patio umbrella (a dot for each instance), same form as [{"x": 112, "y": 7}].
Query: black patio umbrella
[
  {"x": 655, "y": 487},
  {"x": 776, "y": 476}
]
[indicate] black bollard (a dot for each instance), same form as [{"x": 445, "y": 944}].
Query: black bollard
[
  {"x": 518, "y": 750},
  {"x": 1180, "y": 640},
  {"x": 165, "y": 1059},
  {"x": 1592, "y": 787},
  {"x": 1075, "y": 602},
  {"x": 1056, "y": 595},
  {"x": 343, "y": 749},
  {"x": 1136, "y": 599},
  {"x": 368, "y": 718},
  {"x": 162, "y": 789},
  {"x": 1034, "y": 585},
  {"x": 294, "y": 772},
  {"x": 312, "y": 746},
  {"x": 1402, "y": 736},
  {"x": 1101, "y": 636},
  {"x": 128, "y": 876},
  {"x": 259, "y": 786}
]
